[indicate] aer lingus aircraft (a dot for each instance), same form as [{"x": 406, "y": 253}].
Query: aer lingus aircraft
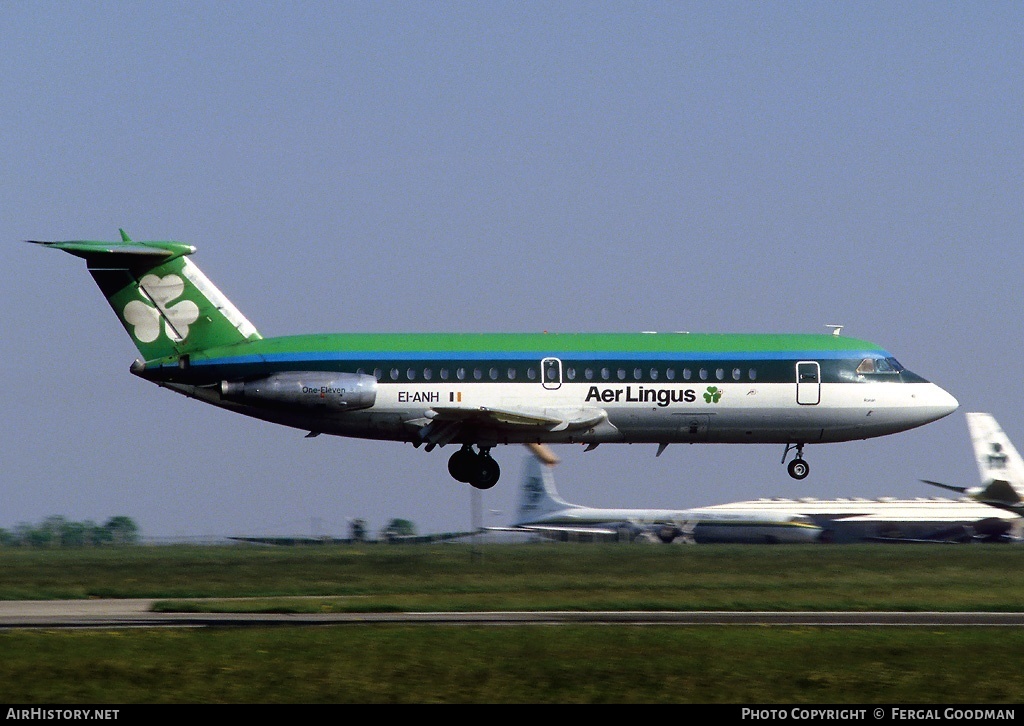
[{"x": 480, "y": 390}]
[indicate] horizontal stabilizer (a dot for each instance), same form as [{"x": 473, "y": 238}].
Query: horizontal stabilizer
[
  {"x": 1000, "y": 490},
  {"x": 165, "y": 303},
  {"x": 950, "y": 487},
  {"x": 996, "y": 493},
  {"x": 126, "y": 254}
]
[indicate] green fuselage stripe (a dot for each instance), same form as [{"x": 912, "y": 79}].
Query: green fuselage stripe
[{"x": 510, "y": 358}]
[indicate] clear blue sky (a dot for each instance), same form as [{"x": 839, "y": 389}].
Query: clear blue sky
[{"x": 500, "y": 166}]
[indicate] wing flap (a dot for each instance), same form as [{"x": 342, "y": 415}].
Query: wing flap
[{"x": 552, "y": 419}]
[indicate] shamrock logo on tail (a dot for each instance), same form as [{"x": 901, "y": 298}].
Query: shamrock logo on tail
[
  {"x": 713, "y": 395},
  {"x": 145, "y": 319}
]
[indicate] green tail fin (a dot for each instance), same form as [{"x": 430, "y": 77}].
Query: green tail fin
[{"x": 167, "y": 305}]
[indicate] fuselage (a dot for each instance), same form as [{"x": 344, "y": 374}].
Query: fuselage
[
  {"x": 700, "y": 525},
  {"x": 856, "y": 519},
  {"x": 480, "y": 390},
  {"x": 564, "y": 388}
]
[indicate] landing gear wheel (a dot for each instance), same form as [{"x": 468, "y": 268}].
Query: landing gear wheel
[
  {"x": 487, "y": 474},
  {"x": 472, "y": 467},
  {"x": 462, "y": 465},
  {"x": 799, "y": 469}
]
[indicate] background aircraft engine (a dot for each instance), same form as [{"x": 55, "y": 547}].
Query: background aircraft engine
[
  {"x": 667, "y": 533},
  {"x": 335, "y": 391}
]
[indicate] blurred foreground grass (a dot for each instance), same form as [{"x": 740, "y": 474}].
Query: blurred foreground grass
[
  {"x": 521, "y": 664},
  {"x": 514, "y": 664},
  {"x": 532, "y": 577}
]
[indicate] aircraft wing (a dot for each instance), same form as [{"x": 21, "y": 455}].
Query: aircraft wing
[
  {"x": 984, "y": 530},
  {"x": 511, "y": 418},
  {"x": 569, "y": 529},
  {"x": 448, "y": 421},
  {"x": 555, "y": 529}
]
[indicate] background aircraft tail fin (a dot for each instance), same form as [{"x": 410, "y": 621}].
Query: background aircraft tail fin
[
  {"x": 999, "y": 465},
  {"x": 167, "y": 305},
  {"x": 537, "y": 493}
]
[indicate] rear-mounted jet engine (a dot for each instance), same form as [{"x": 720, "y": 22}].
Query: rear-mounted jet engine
[{"x": 336, "y": 391}]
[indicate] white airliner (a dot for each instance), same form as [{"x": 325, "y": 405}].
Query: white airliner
[
  {"x": 543, "y": 511},
  {"x": 888, "y": 519},
  {"x": 1000, "y": 467},
  {"x": 482, "y": 390}
]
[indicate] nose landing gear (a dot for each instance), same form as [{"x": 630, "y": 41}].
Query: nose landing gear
[
  {"x": 798, "y": 468},
  {"x": 474, "y": 467}
]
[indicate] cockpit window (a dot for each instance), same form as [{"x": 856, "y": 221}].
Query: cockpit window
[{"x": 879, "y": 365}]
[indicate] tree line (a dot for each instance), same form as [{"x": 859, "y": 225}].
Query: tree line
[{"x": 57, "y": 531}]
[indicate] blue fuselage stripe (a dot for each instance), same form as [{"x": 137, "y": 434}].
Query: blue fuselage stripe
[{"x": 616, "y": 356}]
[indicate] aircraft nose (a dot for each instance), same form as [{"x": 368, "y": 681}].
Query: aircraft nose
[{"x": 937, "y": 402}]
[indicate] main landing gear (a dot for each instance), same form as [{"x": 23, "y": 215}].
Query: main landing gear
[
  {"x": 474, "y": 467},
  {"x": 798, "y": 468}
]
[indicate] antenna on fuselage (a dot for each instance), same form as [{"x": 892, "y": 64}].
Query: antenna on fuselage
[{"x": 836, "y": 329}]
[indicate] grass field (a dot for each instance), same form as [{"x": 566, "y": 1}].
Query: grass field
[{"x": 522, "y": 664}]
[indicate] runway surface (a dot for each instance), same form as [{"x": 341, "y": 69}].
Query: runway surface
[{"x": 138, "y": 613}]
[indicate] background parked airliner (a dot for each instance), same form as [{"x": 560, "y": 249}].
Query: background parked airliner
[
  {"x": 543, "y": 511},
  {"x": 888, "y": 519},
  {"x": 999, "y": 465},
  {"x": 480, "y": 390}
]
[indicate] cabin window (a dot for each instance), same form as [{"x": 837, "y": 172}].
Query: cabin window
[
  {"x": 394, "y": 374},
  {"x": 703, "y": 374},
  {"x": 588, "y": 373},
  {"x": 654, "y": 374},
  {"x": 460, "y": 373},
  {"x": 670, "y": 374},
  {"x": 493, "y": 373},
  {"x": 752, "y": 374},
  {"x": 720, "y": 374},
  {"x": 444, "y": 374},
  {"x": 736, "y": 374},
  {"x": 605, "y": 374},
  {"x": 377, "y": 373},
  {"x": 411, "y": 374},
  {"x": 686, "y": 374},
  {"x": 551, "y": 373},
  {"x": 478, "y": 374},
  {"x": 511, "y": 374},
  {"x": 570, "y": 373},
  {"x": 637, "y": 374},
  {"x": 531, "y": 373},
  {"x": 427, "y": 374}
]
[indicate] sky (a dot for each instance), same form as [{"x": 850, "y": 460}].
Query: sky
[{"x": 499, "y": 167}]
